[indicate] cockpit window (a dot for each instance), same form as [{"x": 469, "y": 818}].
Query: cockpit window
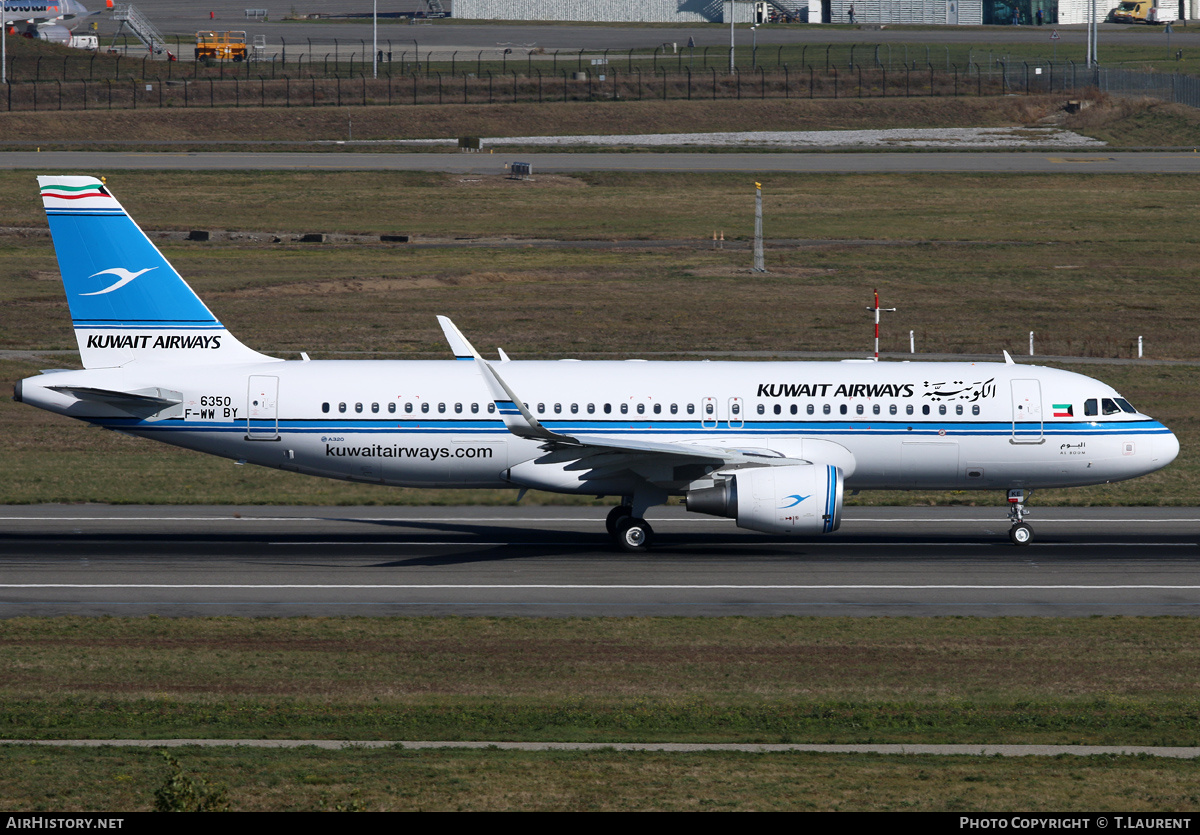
[
  {"x": 1109, "y": 407},
  {"x": 1090, "y": 408},
  {"x": 1126, "y": 406}
]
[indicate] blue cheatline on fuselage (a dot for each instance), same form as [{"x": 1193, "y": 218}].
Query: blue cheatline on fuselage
[{"x": 750, "y": 428}]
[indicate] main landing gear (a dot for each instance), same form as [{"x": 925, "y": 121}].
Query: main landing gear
[
  {"x": 1020, "y": 533},
  {"x": 631, "y": 533}
]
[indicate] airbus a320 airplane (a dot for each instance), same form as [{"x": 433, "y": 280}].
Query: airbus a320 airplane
[{"x": 772, "y": 445}]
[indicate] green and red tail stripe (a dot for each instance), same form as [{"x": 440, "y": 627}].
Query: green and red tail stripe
[{"x": 74, "y": 192}]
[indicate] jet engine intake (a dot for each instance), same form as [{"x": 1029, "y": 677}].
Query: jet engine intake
[{"x": 796, "y": 499}]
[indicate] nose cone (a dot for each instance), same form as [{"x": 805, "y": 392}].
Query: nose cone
[{"x": 1166, "y": 449}]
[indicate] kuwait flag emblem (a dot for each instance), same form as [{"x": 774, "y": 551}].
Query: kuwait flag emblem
[{"x": 1063, "y": 410}]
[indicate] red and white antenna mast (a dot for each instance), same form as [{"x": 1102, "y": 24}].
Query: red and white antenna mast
[{"x": 877, "y": 309}]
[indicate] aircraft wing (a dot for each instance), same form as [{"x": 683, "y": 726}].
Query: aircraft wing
[{"x": 633, "y": 452}]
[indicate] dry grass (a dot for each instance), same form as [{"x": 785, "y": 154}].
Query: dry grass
[
  {"x": 1117, "y": 680},
  {"x": 53, "y": 129},
  {"x": 366, "y": 661},
  {"x": 122, "y": 780}
]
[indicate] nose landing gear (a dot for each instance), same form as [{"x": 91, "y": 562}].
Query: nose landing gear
[{"x": 1020, "y": 533}]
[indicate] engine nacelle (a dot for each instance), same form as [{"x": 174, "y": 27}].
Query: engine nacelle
[
  {"x": 796, "y": 499},
  {"x": 53, "y": 33}
]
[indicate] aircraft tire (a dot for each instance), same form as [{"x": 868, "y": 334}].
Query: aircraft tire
[
  {"x": 1020, "y": 534},
  {"x": 615, "y": 515},
  {"x": 634, "y": 534}
]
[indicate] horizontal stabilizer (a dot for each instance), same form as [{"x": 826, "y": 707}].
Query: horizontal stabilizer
[{"x": 140, "y": 402}]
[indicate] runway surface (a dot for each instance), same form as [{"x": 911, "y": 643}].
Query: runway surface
[
  {"x": 1093, "y": 162},
  {"x": 554, "y": 561}
]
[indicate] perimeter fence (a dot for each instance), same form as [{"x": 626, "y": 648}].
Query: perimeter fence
[
  {"x": 493, "y": 88},
  {"x": 611, "y": 83}
]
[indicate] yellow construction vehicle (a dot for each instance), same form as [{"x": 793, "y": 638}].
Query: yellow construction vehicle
[{"x": 221, "y": 46}]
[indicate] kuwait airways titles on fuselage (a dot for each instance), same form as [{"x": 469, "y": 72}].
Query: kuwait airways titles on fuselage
[{"x": 841, "y": 390}]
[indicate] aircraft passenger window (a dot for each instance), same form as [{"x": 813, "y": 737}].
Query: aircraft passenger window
[
  {"x": 674, "y": 409},
  {"x": 424, "y": 407},
  {"x": 624, "y": 408},
  {"x": 708, "y": 408},
  {"x": 908, "y": 409},
  {"x": 408, "y": 408},
  {"x": 1089, "y": 407},
  {"x": 875, "y": 408},
  {"x": 762, "y": 408},
  {"x": 608, "y": 408},
  {"x": 1126, "y": 406},
  {"x": 641, "y": 409},
  {"x": 658, "y": 408},
  {"x": 491, "y": 408},
  {"x": 826, "y": 408},
  {"x": 975, "y": 409},
  {"x": 924, "y": 410},
  {"x": 859, "y": 408},
  {"x": 591, "y": 408},
  {"x": 574, "y": 408},
  {"x": 794, "y": 409},
  {"x": 341, "y": 407},
  {"x": 842, "y": 408},
  {"x": 541, "y": 408},
  {"x": 474, "y": 408},
  {"x": 325, "y": 407},
  {"x": 374, "y": 408},
  {"x": 442, "y": 408},
  {"x": 811, "y": 409},
  {"x": 942, "y": 409},
  {"x": 392, "y": 408},
  {"x": 892, "y": 409},
  {"x": 958, "y": 409},
  {"x": 1109, "y": 407},
  {"x": 458, "y": 408},
  {"x": 558, "y": 408},
  {"x": 691, "y": 408},
  {"x": 358, "y": 407},
  {"x": 737, "y": 409},
  {"x": 778, "y": 408}
]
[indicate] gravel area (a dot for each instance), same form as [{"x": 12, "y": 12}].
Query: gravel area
[{"x": 957, "y": 138}]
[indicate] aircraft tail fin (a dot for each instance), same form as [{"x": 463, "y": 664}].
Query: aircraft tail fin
[{"x": 127, "y": 302}]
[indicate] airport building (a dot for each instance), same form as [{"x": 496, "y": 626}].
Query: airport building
[{"x": 879, "y": 12}]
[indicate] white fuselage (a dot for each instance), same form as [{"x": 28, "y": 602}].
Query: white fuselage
[{"x": 888, "y": 425}]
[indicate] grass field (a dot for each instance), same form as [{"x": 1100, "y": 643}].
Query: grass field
[
  {"x": 839, "y": 680},
  {"x": 833, "y": 680},
  {"x": 117, "y": 779}
]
